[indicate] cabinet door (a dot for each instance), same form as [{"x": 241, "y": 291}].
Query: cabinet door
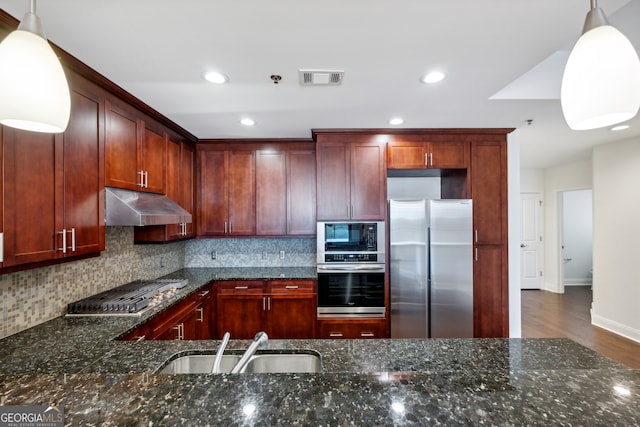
[
  {"x": 241, "y": 308},
  {"x": 83, "y": 175},
  {"x": 333, "y": 160},
  {"x": 490, "y": 294},
  {"x": 186, "y": 182},
  {"x": 33, "y": 196},
  {"x": 242, "y": 196},
  {"x": 301, "y": 192},
  {"x": 488, "y": 191},
  {"x": 243, "y": 316},
  {"x": 292, "y": 309},
  {"x": 204, "y": 315},
  {"x": 174, "y": 185},
  {"x": 368, "y": 181},
  {"x": 407, "y": 155},
  {"x": 448, "y": 155},
  {"x": 352, "y": 329},
  {"x": 271, "y": 193},
  {"x": 153, "y": 159},
  {"x": 213, "y": 203},
  {"x": 122, "y": 154}
]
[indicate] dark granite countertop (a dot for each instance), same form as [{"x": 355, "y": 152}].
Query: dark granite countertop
[{"x": 76, "y": 363}]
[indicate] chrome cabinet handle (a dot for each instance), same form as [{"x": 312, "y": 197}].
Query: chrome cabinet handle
[
  {"x": 476, "y": 255},
  {"x": 141, "y": 183},
  {"x": 73, "y": 239},
  {"x": 367, "y": 334},
  {"x": 180, "y": 329},
  {"x": 291, "y": 287},
  {"x": 146, "y": 179},
  {"x": 476, "y": 234},
  {"x": 264, "y": 304},
  {"x": 201, "y": 312},
  {"x": 204, "y": 293},
  {"x": 268, "y": 303},
  {"x": 225, "y": 227},
  {"x": 336, "y": 334},
  {"x": 241, "y": 287},
  {"x": 430, "y": 159},
  {"x": 140, "y": 338},
  {"x": 64, "y": 240},
  {"x": 230, "y": 227},
  {"x": 426, "y": 159}
]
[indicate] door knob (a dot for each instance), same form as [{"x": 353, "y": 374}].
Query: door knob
[{"x": 522, "y": 245}]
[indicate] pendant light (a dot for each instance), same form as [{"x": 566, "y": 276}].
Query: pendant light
[
  {"x": 34, "y": 93},
  {"x": 601, "y": 81}
]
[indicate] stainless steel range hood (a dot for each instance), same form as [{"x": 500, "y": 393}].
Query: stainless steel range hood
[{"x": 125, "y": 207}]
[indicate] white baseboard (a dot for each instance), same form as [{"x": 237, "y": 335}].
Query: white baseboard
[{"x": 615, "y": 327}]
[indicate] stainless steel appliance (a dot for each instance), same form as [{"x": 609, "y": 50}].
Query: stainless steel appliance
[
  {"x": 351, "y": 269},
  {"x": 431, "y": 268},
  {"x": 131, "y": 299}
]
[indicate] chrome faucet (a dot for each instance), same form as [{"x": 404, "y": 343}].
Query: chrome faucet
[
  {"x": 260, "y": 340},
  {"x": 216, "y": 363}
]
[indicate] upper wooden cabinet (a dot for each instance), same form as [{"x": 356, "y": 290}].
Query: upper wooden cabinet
[
  {"x": 489, "y": 191},
  {"x": 135, "y": 151},
  {"x": 425, "y": 154},
  {"x": 285, "y": 192},
  {"x": 53, "y": 187},
  {"x": 351, "y": 178},
  {"x": 180, "y": 189},
  {"x": 227, "y": 201}
]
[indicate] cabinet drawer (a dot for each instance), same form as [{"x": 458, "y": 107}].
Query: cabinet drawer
[
  {"x": 291, "y": 286},
  {"x": 243, "y": 287},
  {"x": 352, "y": 329}
]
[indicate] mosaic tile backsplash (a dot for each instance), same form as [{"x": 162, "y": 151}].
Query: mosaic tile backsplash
[
  {"x": 31, "y": 297},
  {"x": 260, "y": 252}
]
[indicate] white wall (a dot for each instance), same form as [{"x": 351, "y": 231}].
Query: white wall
[
  {"x": 574, "y": 176},
  {"x": 514, "y": 219},
  {"x": 616, "y": 238},
  {"x": 532, "y": 181}
]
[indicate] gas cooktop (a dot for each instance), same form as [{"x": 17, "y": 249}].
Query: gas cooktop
[{"x": 131, "y": 299}]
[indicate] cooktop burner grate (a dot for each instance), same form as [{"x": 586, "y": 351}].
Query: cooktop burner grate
[{"x": 131, "y": 299}]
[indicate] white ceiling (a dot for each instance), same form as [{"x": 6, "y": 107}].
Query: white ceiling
[{"x": 503, "y": 58}]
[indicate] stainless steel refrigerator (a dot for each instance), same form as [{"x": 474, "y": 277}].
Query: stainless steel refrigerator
[{"x": 431, "y": 268}]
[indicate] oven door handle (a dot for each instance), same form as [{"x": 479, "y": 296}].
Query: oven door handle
[{"x": 352, "y": 268}]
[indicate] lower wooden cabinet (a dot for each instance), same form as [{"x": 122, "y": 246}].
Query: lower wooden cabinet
[
  {"x": 283, "y": 309},
  {"x": 189, "y": 319},
  {"x": 352, "y": 328}
]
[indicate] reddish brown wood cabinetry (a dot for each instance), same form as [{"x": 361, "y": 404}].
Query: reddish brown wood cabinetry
[
  {"x": 53, "y": 190},
  {"x": 351, "y": 178},
  {"x": 227, "y": 201},
  {"x": 285, "y": 192},
  {"x": 189, "y": 319},
  {"x": 352, "y": 328},
  {"x": 423, "y": 154},
  {"x": 180, "y": 181},
  {"x": 135, "y": 150},
  {"x": 283, "y": 309},
  {"x": 490, "y": 272}
]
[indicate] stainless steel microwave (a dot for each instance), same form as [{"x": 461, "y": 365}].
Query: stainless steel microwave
[{"x": 350, "y": 241}]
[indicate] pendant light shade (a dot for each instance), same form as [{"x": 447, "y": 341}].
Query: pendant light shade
[
  {"x": 601, "y": 81},
  {"x": 34, "y": 93}
]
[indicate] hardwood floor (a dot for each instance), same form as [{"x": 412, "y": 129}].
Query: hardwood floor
[{"x": 549, "y": 315}]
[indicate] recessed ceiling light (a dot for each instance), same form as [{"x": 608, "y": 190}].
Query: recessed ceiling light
[
  {"x": 432, "y": 77},
  {"x": 621, "y": 127},
  {"x": 396, "y": 121},
  {"x": 248, "y": 122},
  {"x": 215, "y": 77}
]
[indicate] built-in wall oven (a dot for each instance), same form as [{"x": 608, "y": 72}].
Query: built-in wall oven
[{"x": 351, "y": 269}]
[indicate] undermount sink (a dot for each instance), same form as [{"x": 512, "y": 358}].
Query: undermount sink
[{"x": 262, "y": 362}]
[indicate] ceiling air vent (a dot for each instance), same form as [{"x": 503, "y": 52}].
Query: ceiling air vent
[{"x": 321, "y": 77}]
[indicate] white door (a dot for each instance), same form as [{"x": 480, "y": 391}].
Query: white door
[{"x": 530, "y": 241}]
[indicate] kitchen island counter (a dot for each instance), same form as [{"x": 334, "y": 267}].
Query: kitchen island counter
[{"x": 77, "y": 363}]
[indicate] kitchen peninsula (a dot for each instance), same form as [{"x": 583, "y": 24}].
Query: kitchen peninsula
[{"x": 78, "y": 363}]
